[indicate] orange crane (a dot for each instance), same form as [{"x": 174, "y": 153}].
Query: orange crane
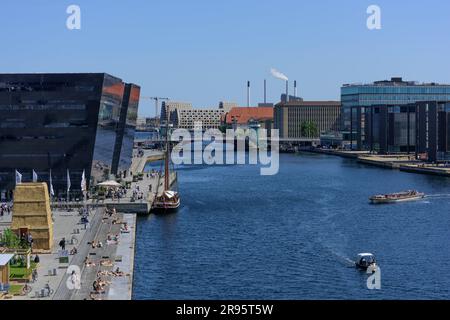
[{"x": 156, "y": 99}]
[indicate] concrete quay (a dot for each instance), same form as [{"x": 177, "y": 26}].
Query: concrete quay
[
  {"x": 126, "y": 204},
  {"x": 402, "y": 162},
  {"x": 436, "y": 170},
  {"x": 341, "y": 153},
  {"x": 387, "y": 161},
  {"x": 138, "y": 163}
]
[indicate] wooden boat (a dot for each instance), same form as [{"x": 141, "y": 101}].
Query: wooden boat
[{"x": 169, "y": 200}]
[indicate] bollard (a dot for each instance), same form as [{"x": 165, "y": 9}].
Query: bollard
[{"x": 54, "y": 272}]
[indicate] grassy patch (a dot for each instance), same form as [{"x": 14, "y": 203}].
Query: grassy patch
[
  {"x": 18, "y": 272},
  {"x": 15, "y": 289}
]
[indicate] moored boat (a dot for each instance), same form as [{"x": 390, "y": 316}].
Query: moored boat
[
  {"x": 169, "y": 200},
  {"x": 166, "y": 202},
  {"x": 409, "y": 195}
]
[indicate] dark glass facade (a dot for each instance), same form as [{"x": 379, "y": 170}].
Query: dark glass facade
[
  {"x": 421, "y": 127},
  {"x": 64, "y": 121}
]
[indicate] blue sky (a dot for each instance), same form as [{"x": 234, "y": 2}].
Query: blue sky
[{"x": 205, "y": 51}]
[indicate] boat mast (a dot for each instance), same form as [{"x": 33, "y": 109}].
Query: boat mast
[{"x": 166, "y": 160}]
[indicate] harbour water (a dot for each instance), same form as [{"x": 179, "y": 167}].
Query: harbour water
[{"x": 239, "y": 235}]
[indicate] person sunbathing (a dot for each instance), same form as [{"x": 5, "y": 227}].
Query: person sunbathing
[
  {"x": 96, "y": 244},
  {"x": 124, "y": 229},
  {"x": 88, "y": 263},
  {"x": 112, "y": 242},
  {"x": 117, "y": 221},
  {"x": 94, "y": 296},
  {"x": 97, "y": 287},
  {"x": 106, "y": 263},
  {"x": 118, "y": 273}
]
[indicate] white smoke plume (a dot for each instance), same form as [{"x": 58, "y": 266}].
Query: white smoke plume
[{"x": 277, "y": 74}]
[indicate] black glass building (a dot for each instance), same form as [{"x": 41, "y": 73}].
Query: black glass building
[
  {"x": 421, "y": 127},
  {"x": 56, "y": 122}
]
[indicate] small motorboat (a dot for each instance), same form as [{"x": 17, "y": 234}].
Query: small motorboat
[
  {"x": 365, "y": 261},
  {"x": 409, "y": 195}
]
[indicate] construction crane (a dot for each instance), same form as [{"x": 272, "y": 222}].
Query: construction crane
[{"x": 156, "y": 99}]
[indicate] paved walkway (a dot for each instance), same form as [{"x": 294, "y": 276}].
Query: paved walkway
[
  {"x": 64, "y": 224},
  {"x": 102, "y": 226},
  {"x": 121, "y": 287}
]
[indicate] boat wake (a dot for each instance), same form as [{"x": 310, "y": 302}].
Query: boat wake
[{"x": 443, "y": 195}]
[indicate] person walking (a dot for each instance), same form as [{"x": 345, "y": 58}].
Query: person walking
[
  {"x": 34, "y": 275},
  {"x": 62, "y": 244},
  {"x": 30, "y": 240}
]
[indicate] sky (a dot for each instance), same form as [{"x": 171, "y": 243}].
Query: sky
[{"x": 205, "y": 51}]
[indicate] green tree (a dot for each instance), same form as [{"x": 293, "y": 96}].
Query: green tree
[
  {"x": 10, "y": 240},
  {"x": 223, "y": 128},
  {"x": 309, "y": 129}
]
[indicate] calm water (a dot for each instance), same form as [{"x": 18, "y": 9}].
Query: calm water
[{"x": 240, "y": 235}]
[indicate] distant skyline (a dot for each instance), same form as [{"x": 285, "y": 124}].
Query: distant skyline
[{"x": 204, "y": 52}]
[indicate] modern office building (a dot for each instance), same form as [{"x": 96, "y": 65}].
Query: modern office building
[
  {"x": 209, "y": 118},
  {"x": 170, "y": 111},
  {"x": 356, "y": 98},
  {"x": 290, "y": 117},
  {"x": 63, "y": 122},
  {"x": 421, "y": 127},
  {"x": 227, "y": 106}
]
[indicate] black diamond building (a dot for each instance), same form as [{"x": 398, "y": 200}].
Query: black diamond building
[{"x": 60, "y": 122}]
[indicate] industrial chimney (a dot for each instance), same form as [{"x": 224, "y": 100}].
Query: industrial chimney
[
  {"x": 295, "y": 88},
  {"x": 265, "y": 101},
  {"x": 248, "y": 93},
  {"x": 287, "y": 90}
]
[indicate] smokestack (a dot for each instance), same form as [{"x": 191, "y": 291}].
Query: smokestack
[
  {"x": 287, "y": 90},
  {"x": 295, "y": 88},
  {"x": 248, "y": 93},
  {"x": 265, "y": 91}
]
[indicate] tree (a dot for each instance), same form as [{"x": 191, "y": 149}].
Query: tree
[
  {"x": 10, "y": 240},
  {"x": 309, "y": 129}
]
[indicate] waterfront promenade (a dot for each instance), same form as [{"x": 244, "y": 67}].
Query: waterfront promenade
[
  {"x": 112, "y": 263},
  {"x": 107, "y": 259},
  {"x": 402, "y": 162}
]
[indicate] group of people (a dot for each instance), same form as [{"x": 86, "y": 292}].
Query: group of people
[
  {"x": 114, "y": 273},
  {"x": 112, "y": 239},
  {"x": 99, "y": 286},
  {"x": 27, "y": 238},
  {"x": 153, "y": 173},
  {"x": 137, "y": 194},
  {"x": 5, "y": 209},
  {"x": 96, "y": 244},
  {"x": 116, "y": 193}
]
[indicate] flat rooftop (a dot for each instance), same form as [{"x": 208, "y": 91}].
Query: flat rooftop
[{"x": 395, "y": 81}]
